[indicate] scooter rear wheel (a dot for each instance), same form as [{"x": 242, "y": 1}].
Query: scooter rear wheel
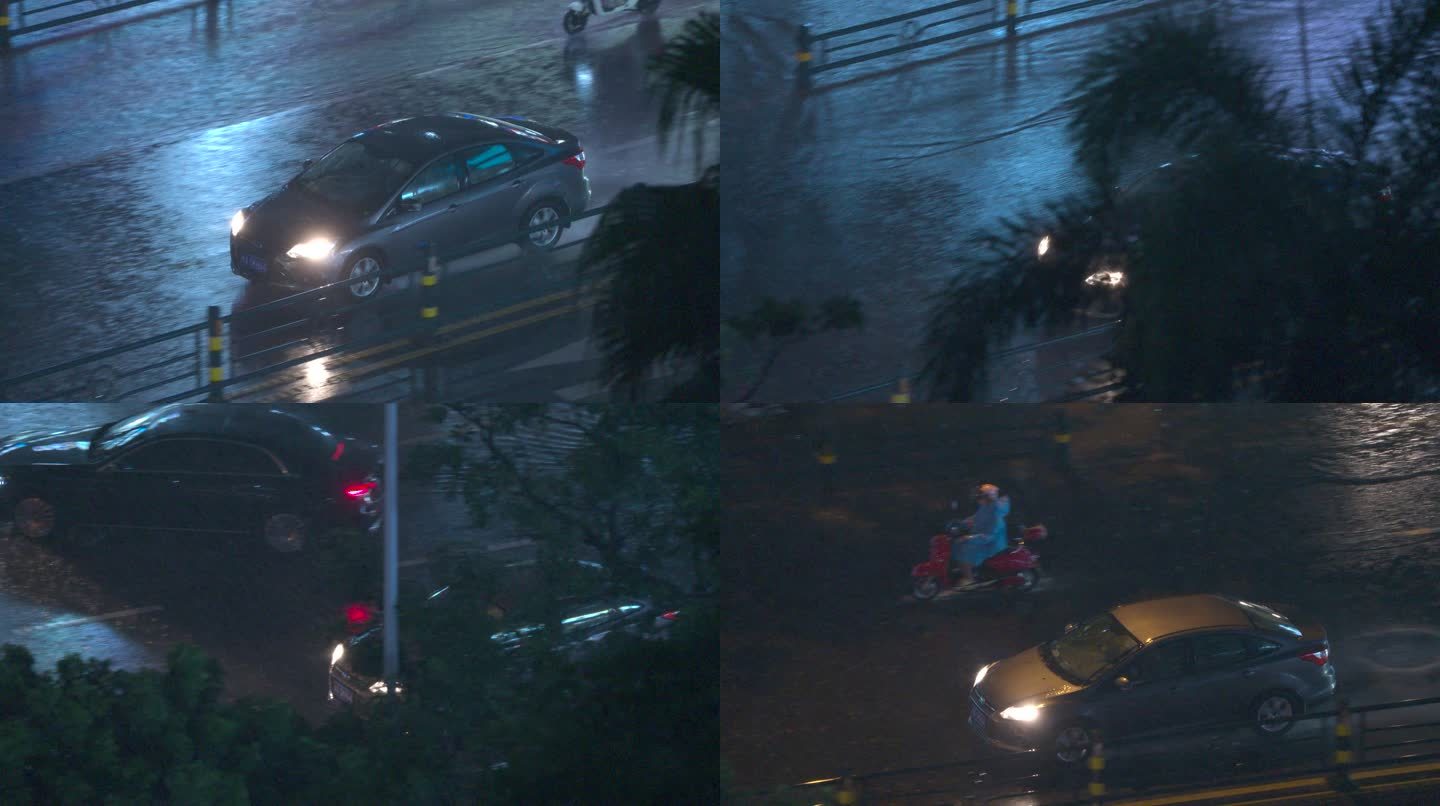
[
  {"x": 926, "y": 588},
  {"x": 574, "y": 23}
]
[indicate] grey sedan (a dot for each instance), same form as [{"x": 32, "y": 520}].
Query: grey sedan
[
  {"x": 454, "y": 181},
  {"x": 1151, "y": 667}
]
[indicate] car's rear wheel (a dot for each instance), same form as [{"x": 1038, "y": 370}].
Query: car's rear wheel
[
  {"x": 1274, "y": 712},
  {"x": 285, "y": 532},
  {"x": 366, "y": 269},
  {"x": 34, "y": 518},
  {"x": 548, "y": 214},
  {"x": 1073, "y": 742}
]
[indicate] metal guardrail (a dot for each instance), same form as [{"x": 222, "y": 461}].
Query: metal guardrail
[
  {"x": 912, "y": 29},
  {"x": 203, "y": 359},
  {"x": 846, "y": 789},
  {"x": 97, "y": 8}
]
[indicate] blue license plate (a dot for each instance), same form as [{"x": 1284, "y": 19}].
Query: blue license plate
[{"x": 253, "y": 263}]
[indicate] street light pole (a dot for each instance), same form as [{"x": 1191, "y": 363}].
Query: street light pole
[{"x": 390, "y": 511}]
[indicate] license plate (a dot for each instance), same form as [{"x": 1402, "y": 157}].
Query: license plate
[
  {"x": 341, "y": 693},
  {"x": 253, "y": 263}
]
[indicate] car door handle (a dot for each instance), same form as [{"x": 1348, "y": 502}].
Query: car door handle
[{"x": 517, "y": 183}]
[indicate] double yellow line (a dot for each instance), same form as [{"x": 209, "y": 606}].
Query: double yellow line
[
  {"x": 1317, "y": 785},
  {"x": 578, "y": 299}
]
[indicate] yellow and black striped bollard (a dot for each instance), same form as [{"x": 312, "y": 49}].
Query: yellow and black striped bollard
[
  {"x": 4, "y": 25},
  {"x": 216, "y": 349},
  {"x": 429, "y": 279},
  {"x": 1096, "y": 763},
  {"x": 902, "y": 392},
  {"x": 803, "y": 56},
  {"x": 1012, "y": 9},
  {"x": 849, "y": 794},
  {"x": 1062, "y": 439},
  {"x": 1344, "y": 751},
  {"x": 825, "y": 455}
]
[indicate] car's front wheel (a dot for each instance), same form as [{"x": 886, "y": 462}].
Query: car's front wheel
[
  {"x": 574, "y": 22},
  {"x": 1073, "y": 743},
  {"x": 34, "y": 517},
  {"x": 547, "y": 215},
  {"x": 1274, "y": 712},
  {"x": 285, "y": 532},
  {"x": 366, "y": 269}
]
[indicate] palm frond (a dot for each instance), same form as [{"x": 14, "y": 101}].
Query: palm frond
[{"x": 686, "y": 74}]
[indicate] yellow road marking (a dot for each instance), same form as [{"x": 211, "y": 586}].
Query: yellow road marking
[{"x": 1255, "y": 789}]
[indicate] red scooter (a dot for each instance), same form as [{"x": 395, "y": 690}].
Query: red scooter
[{"x": 1014, "y": 570}]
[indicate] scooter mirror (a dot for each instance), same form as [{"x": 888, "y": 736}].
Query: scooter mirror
[{"x": 1123, "y": 683}]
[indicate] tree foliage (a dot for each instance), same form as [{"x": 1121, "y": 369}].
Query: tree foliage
[{"x": 1249, "y": 277}]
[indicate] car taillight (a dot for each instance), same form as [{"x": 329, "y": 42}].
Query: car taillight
[
  {"x": 1319, "y": 657},
  {"x": 360, "y": 490},
  {"x": 671, "y": 615},
  {"x": 577, "y": 159}
]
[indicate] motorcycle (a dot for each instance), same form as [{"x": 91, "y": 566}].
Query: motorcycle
[
  {"x": 1014, "y": 570},
  {"x": 582, "y": 10}
]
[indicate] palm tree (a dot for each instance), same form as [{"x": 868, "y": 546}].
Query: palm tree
[
  {"x": 657, "y": 249},
  {"x": 1250, "y": 274}
]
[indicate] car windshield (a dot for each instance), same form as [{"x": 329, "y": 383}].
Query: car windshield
[
  {"x": 1084, "y": 652},
  {"x": 356, "y": 176},
  {"x": 117, "y": 435}
]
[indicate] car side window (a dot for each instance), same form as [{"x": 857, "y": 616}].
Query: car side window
[
  {"x": 525, "y": 154},
  {"x": 1160, "y": 662},
  {"x": 1218, "y": 651},
  {"x": 435, "y": 182},
  {"x": 240, "y": 459},
  {"x": 164, "y": 456},
  {"x": 484, "y": 163}
]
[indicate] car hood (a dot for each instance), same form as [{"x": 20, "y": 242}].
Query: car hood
[
  {"x": 1021, "y": 679},
  {"x": 290, "y": 216},
  {"x": 55, "y": 447}
]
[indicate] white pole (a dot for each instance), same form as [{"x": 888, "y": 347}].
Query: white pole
[{"x": 391, "y": 509}]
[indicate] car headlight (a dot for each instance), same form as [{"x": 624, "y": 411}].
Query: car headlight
[
  {"x": 378, "y": 687},
  {"x": 1043, "y": 247},
  {"x": 237, "y": 222},
  {"x": 980, "y": 675},
  {"x": 313, "y": 249},
  {"x": 337, "y": 653},
  {"x": 1021, "y": 713}
]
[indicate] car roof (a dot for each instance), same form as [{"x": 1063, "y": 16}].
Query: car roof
[
  {"x": 272, "y": 428},
  {"x": 1158, "y": 618},
  {"x": 423, "y": 137}
]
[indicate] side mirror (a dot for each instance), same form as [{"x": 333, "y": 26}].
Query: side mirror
[{"x": 1123, "y": 683}]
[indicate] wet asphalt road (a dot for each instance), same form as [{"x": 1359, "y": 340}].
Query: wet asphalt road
[
  {"x": 830, "y": 669},
  {"x": 267, "y": 617},
  {"x": 873, "y": 184},
  {"x": 126, "y": 151}
]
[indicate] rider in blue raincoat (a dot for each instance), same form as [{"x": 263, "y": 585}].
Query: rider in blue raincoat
[{"x": 989, "y": 530}]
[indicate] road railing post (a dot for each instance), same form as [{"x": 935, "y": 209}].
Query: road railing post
[
  {"x": 216, "y": 345},
  {"x": 1062, "y": 439},
  {"x": 1096, "y": 763},
  {"x": 4, "y": 24},
  {"x": 1012, "y": 10},
  {"x": 1344, "y": 753},
  {"x": 803, "y": 56},
  {"x": 430, "y": 318},
  {"x": 902, "y": 391},
  {"x": 848, "y": 794}
]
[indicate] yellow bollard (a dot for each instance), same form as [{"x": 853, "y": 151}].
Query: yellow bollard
[
  {"x": 848, "y": 794},
  {"x": 902, "y": 394},
  {"x": 1096, "y": 763}
]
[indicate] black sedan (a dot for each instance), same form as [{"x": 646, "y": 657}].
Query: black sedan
[{"x": 192, "y": 467}]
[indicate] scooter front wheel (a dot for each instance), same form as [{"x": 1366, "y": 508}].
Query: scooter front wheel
[
  {"x": 926, "y": 588},
  {"x": 574, "y": 22},
  {"x": 647, "y": 6}
]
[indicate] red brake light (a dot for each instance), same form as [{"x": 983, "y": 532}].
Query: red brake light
[
  {"x": 357, "y": 613},
  {"x": 670, "y": 615},
  {"x": 360, "y": 490},
  {"x": 577, "y": 159},
  {"x": 339, "y": 451},
  {"x": 1319, "y": 657}
]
